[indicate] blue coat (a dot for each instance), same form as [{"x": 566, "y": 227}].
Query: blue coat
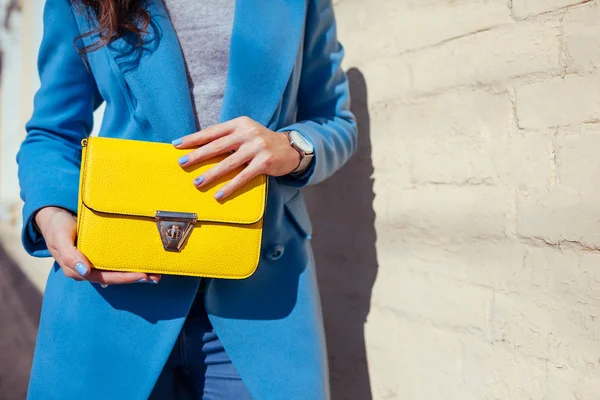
[{"x": 285, "y": 73}]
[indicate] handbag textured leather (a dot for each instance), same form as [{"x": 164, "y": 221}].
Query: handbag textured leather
[{"x": 140, "y": 212}]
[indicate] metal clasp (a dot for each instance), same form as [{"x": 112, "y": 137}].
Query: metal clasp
[{"x": 174, "y": 228}]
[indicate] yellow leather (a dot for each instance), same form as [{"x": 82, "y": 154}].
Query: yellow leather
[{"x": 123, "y": 184}]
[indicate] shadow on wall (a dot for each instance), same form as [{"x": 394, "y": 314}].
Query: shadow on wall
[
  {"x": 342, "y": 212},
  {"x": 19, "y": 317}
]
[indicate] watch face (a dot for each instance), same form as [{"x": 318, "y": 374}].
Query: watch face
[{"x": 301, "y": 142}]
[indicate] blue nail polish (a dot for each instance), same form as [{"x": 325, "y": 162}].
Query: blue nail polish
[
  {"x": 153, "y": 281},
  {"x": 81, "y": 269},
  {"x": 198, "y": 180},
  {"x": 177, "y": 142},
  {"x": 143, "y": 280},
  {"x": 183, "y": 159},
  {"x": 219, "y": 195}
]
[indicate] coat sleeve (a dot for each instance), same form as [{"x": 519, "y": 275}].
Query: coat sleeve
[
  {"x": 324, "y": 115},
  {"x": 50, "y": 156}
]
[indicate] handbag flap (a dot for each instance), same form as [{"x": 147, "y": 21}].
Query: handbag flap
[{"x": 135, "y": 178}]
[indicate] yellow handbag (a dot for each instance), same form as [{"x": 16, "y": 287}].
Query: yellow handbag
[{"x": 140, "y": 212}]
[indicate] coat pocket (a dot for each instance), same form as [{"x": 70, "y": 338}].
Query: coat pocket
[{"x": 296, "y": 210}]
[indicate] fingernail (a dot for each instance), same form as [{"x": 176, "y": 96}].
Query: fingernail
[
  {"x": 219, "y": 195},
  {"x": 198, "y": 180},
  {"x": 183, "y": 159},
  {"x": 144, "y": 280},
  {"x": 177, "y": 142},
  {"x": 81, "y": 268}
]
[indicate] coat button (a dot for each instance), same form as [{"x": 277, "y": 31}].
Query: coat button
[{"x": 275, "y": 252}]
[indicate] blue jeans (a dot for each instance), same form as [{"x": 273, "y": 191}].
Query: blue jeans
[{"x": 198, "y": 367}]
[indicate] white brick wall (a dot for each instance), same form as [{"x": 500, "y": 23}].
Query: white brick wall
[{"x": 485, "y": 145}]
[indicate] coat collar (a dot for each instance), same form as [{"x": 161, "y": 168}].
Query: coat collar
[{"x": 265, "y": 41}]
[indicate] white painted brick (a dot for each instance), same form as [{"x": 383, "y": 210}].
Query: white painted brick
[
  {"x": 566, "y": 274},
  {"x": 402, "y": 133},
  {"x": 582, "y": 37},
  {"x": 389, "y": 27},
  {"x": 524, "y": 160},
  {"x": 479, "y": 160},
  {"x": 577, "y": 159},
  {"x": 559, "y": 101},
  {"x": 547, "y": 327},
  {"x": 447, "y": 214},
  {"x": 451, "y": 160},
  {"x": 473, "y": 113},
  {"x": 559, "y": 215},
  {"x": 380, "y": 90},
  {"x": 495, "y": 371},
  {"x": 432, "y": 299},
  {"x": 460, "y": 138},
  {"x": 412, "y": 354},
  {"x": 526, "y": 8},
  {"x": 566, "y": 383},
  {"x": 496, "y": 264},
  {"x": 488, "y": 57}
]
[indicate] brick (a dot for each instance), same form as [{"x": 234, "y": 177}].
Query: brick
[
  {"x": 445, "y": 214},
  {"x": 404, "y": 136},
  {"x": 575, "y": 99},
  {"x": 526, "y": 8},
  {"x": 578, "y": 164},
  {"x": 380, "y": 90},
  {"x": 516, "y": 161},
  {"x": 566, "y": 383},
  {"x": 560, "y": 216},
  {"x": 432, "y": 299},
  {"x": 498, "y": 264},
  {"x": 451, "y": 161},
  {"x": 412, "y": 354},
  {"x": 547, "y": 327},
  {"x": 472, "y": 113},
  {"x": 460, "y": 138},
  {"x": 582, "y": 37},
  {"x": 568, "y": 274},
  {"x": 559, "y": 101},
  {"x": 495, "y": 371},
  {"x": 525, "y": 160},
  {"x": 389, "y": 27},
  {"x": 489, "y": 57}
]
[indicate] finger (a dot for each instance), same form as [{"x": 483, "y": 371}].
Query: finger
[
  {"x": 219, "y": 146},
  {"x": 117, "y": 278},
  {"x": 251, "y": 171},
  {"x": 154, "y": 277},
  {"x": 73, "y": 263},
  {"x": 205, "y": 135},
  {"x": 224, "y": 167}
]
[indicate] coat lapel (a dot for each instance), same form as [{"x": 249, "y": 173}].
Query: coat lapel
[
  {"x": 155, "y": 73},
  {"x": 265, "y": 41}
]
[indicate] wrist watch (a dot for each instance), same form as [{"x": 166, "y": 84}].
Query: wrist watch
[{"x": 302, "y": 146}]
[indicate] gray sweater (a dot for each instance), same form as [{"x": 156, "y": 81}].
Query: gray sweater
[{"x": 204, "y": 31}]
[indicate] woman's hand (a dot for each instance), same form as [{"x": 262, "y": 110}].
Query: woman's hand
[
  {"x": 59, "y": 227},
  {"x": 262, "y": 150}
]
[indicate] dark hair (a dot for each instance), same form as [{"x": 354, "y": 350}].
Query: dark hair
[{"x": 113, "y": 19}]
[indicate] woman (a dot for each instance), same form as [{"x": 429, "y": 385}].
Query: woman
[{"x": 240, "y": 79}]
